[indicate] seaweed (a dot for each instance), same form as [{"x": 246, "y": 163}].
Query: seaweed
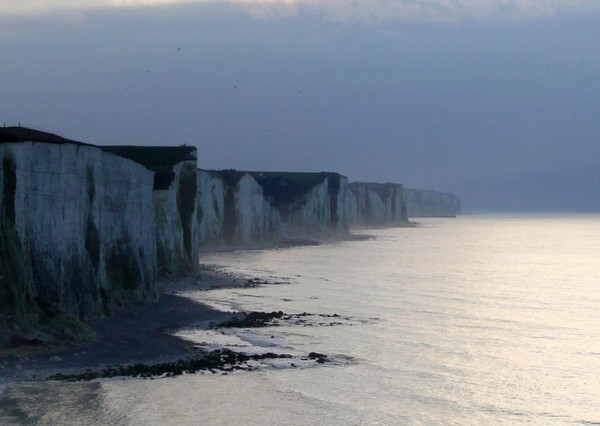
[
  {"x": 251, "y": 320},
  {"x": 221, "y": 359}
]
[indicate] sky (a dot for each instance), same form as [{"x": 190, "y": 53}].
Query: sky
[{"x": 497, "y": 101}]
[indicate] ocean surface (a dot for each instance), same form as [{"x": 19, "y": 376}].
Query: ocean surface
[{"x": 474, "y": 320}]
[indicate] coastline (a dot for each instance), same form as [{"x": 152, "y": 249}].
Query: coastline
[
  {"x": 127, "y": 338},
  {"x": 144, "y": 335}
]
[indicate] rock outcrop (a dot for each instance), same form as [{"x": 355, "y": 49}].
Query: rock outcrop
[
  {"x": 377, "y": 204},
  {"x": 426, "y": 203}
]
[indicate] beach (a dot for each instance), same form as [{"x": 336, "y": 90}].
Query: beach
[{"x": 138, "y": 336}]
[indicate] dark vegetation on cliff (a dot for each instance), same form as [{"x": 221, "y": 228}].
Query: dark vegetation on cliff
[
  {"x": 155, "y": 158},
  {"x": 16, "y": 289},
  {"x": 25, "y": 318},
  {"x": 159, "y": 159},
  {"x": 186, "y": 204},
  {"x": 286, "y": 187}
]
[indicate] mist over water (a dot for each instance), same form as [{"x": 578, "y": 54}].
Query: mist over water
[{"x": 475, "y": 320}]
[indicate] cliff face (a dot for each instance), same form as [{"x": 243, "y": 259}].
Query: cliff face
[
  {"x": 310, "y": 204},
  {"x": 425, "y": 203},
  {"x": 82, "y": 221},
  {"x": 175, "y": 189},
  {"x": 176, "y": 225},
  {"x": 245, "y": 208},
  {"x": 86, "y": 229},
  {"x": 211, "y": 207},
  {"x": 233, "y": 210},
  {"x": 377, "y": 204}
]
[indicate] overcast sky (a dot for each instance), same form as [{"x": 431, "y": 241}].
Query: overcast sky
[{"x": 497, "y": 101}]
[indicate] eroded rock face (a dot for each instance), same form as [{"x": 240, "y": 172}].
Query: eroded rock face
[
  {"x": 310, "y": 204},
  {"x": 425, "y": 203},
  {"x": 246, "y": 208},
  {"x": 176, "y": 221},
  {"x": 175, "y": 192},
  {"x": 82, "y": 219},
  {"x": 377, "y": 204},
  {"x": 16, "y": 285},
  {"x": 233, "y": 210},
  {"x": 211, "y": 206}
]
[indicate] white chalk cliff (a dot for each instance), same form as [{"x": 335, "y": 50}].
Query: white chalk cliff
[
  {"x": 86, "y": 229},
  {"x": 77, "y": 213},
  {"x": 426, "y": 203},
  {"x": 377, "y": 204},
  {"x": 233, "y": 210}
]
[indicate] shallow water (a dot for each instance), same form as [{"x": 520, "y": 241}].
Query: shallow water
[{"x": 479, "y": 319}]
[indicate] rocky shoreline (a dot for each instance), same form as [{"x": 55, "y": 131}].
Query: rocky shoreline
[{"x": 140, "y": 343}]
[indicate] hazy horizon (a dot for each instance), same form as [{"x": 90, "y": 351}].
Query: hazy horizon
[{"x": 493, "y": 101}]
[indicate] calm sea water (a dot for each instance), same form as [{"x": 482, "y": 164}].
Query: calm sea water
[{"x": 475, "y": 320}]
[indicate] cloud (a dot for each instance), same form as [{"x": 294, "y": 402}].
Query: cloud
[
  {"x": 421, "y": 10},
  {"x": 342, "y": 10}
]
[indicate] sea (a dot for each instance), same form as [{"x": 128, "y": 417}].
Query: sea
[{"x": 477, "y": 320}]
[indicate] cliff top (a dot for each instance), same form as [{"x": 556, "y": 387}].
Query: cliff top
[
  {"x": 375, "y": 184},
  {"x": 282, "y": 187},
  {"x": 430, "y": 191},
  {"x": 24, "y": 134},
  {"x": 383, "y": 189},
  {"x": 155, "y": 158}
]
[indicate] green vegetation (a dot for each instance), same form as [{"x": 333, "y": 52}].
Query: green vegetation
[
  {"x": 26, "y": 319},
  {"x": 123, "y": 270},
  {"x": 16, "y": 284}
]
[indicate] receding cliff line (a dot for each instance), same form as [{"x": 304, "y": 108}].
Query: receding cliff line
[
  {"x": 234, "y": 210},
  {"x": 310, "y": 204},
  {"x": 377, "y": 204},
  {"x": 427, "y": 203},
  {"x": 249, "y": 208},
  {"x": 86, "y": 230}
]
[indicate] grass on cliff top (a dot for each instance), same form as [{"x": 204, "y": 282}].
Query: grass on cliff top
[{"x": 155, "y": 158}]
